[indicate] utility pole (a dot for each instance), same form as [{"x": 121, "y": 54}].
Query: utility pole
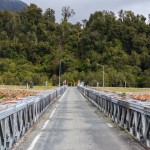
[
  {"x": 125, "y": 84},
  {"x": 103, "y": 77},
  {"x": 59, "y": 72}
]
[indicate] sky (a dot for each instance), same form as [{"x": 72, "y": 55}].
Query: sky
[{"x": 83, "y": 8}]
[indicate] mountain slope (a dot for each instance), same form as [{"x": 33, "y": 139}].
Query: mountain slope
[{"x": 12, "y": 5}]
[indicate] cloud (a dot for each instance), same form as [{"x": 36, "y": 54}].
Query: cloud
[{"x": 84, "y": 8}]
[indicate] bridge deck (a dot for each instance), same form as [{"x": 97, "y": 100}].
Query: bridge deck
[{"x": 73, "y": 123}]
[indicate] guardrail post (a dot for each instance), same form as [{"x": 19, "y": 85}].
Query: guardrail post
[
  {"x": 136, "y": 124},
  {"x": 144, "y": 125},
  {"x": 3, "y": 132},
  {"x": 127, "y": 119},
  {"x": 148, "y": 134}
]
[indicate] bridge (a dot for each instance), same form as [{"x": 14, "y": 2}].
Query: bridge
[{"x": 73, "y": 123}]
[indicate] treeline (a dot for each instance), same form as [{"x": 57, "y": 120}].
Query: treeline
[{"x": 32, "y": 45}]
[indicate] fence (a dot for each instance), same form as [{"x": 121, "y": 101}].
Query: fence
[
  {"x": 16, "y": 121},
  {"x": 133, "y": 117}
]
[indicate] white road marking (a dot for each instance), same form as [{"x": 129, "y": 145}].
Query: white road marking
[
  {"x": 52, "y": 112},
  {"x": 109, "y": 125},
  {"x": 45, "y": 125},
  {"x": 63, "y": 95},
  {"x": 50, "y": 117},
  {"x": 22, "y": 139},
  {"x": 38, "y": 136},
  {"x": 82, "y": 96},
  {"x": 34, "y": 141}
]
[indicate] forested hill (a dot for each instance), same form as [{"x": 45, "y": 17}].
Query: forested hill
[
  {"x": 32, "y": 46},
  {"x": 12, "y": 5}
]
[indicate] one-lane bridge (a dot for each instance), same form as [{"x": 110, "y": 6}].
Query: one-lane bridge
[{"x": 73, "y": 123}]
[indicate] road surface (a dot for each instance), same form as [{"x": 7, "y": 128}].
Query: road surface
[{"x": 73, "y": 123}]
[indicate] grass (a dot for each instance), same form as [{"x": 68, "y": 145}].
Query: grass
[
  {"x": 124, "y": 90},
  {"x": 1, "y": 96}
]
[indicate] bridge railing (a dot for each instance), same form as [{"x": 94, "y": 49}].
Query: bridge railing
[
  {"x": 135, "y": 118},
  {"x": 17, "y": 120}
]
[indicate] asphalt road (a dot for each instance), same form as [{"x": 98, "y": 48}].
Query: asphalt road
[{"x": 73, "y": 123}]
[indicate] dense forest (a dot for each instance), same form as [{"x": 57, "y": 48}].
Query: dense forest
[
  {"x": 12, "y": 5},
  {"x": 32, "y": 45}
]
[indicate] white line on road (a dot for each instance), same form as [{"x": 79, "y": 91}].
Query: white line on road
[
  {"x": 38, "y": 136},
  {"x": 52, "y": 113},
  {"x": 34, "y": 141},
  {"x": 82, "y": 96},
  {"x": 50, "y": 117},
  {"x": 63, "y": 95},
  {"x": 109, "y": 125},
  {"x": 45, "y": 125}
]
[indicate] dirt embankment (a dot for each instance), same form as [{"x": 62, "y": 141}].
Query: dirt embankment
[
  {"x": 9, "y": 94},
  {"x": 141, "y": 97}
]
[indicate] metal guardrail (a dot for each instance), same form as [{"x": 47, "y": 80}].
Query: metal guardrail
[
  {"x": 132, "y": 117},
  {"x": 17, "y": 120}
]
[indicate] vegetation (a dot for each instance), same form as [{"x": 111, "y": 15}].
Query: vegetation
[
  {"x": 124, "y": 90},
  {"x": 32, "y": 44},
  {"x": 25, "y": 87}
]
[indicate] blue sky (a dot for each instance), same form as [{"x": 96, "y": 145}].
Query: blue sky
[{"x": 83, "y": 8}]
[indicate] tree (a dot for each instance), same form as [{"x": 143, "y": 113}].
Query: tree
[
  {"x": 32, "y": 45},
  {"x": 67, "y": 12},
  {"x": 49, "y": 14}
]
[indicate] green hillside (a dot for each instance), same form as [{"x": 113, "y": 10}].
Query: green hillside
[
  {"x": 12, "y": 5},
  {"x": 32, "y": 45}
]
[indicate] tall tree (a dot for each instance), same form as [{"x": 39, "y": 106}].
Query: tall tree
[
  {"x": 67, "y": 12},
  {"x": 49, "y": 14}
]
